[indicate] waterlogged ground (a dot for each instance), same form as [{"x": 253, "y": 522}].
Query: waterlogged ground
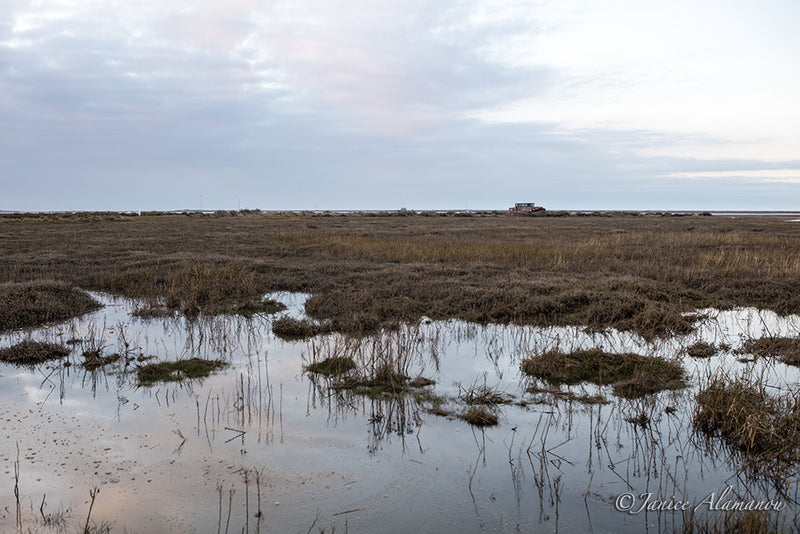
[{"x": 260, "y": 446}]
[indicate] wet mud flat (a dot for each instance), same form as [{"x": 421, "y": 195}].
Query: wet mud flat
[{"x": 264, "y": 441}]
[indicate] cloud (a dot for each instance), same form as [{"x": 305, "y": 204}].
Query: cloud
[
  {"x": 764, "y": 175},
  {"x": 363, "y": 103}
]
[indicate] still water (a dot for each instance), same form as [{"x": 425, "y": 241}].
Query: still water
[{"x": 261, "y": 446}]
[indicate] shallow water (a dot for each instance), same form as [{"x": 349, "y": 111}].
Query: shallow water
[{"x": 207, "y": 455}]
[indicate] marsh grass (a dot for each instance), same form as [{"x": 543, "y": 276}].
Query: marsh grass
[
  {"x": 630, "y": 375},
  {"x": 482, "y": 394},
  {"x": 192, "y": 368},
  {"x": 35, "y": 303},
  {"x": 191, "y": 289},
  {"x": 701, "y": 349},
  {"x": 783, "y": 349},
  {"x": 631, "y": 273},
  {"x": 763, "y": 428},
  {"x": 332, "y": 366},
  {"x": 291, "y": 329},
  {"x": 92, "y": 359},
  {"x": 479, "y": 416},
  {"x": 32, "y": 352}
]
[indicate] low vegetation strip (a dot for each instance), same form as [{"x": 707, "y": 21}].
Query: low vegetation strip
[
  {"x": 29, "y": 304},
  {"x": 177, "y": 371},
  {"x": 32, "y": 352},
  {"x": 785, "y": 349},
  {"x": 630, "y": 375},
  {"x": 291, "y": 329},
  {"x": 332, "y": 366}
]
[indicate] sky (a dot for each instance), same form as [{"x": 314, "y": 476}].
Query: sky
[{"x": 369, "y": 104}]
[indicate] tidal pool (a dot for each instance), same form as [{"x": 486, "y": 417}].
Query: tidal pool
[{"x": 262, "y": 446}]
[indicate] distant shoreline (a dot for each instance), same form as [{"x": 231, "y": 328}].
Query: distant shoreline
[{"x": 564, "y": 212}]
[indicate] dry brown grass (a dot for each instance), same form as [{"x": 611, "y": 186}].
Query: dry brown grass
[
  {"x": 35, "y": 303},
  {"x": 332, "y": 366},
  {"x": 631, "y": 273},
  {"x": 32, "y": 352},
  {"x": 479, "y": 416},
  {"x": 764, "y": 428},
  {"x": 701, "y": 349},
  {"x": 291, "y": 329},
  {"x": 784, "y": 349}
]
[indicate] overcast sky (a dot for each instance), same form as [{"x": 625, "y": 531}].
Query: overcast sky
[{"x": 369, "y": 104}]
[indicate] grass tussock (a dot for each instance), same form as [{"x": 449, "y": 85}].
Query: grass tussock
[
  {"x": 93, "y": 359},
  {"x": 481, "y": 394},
  {"x": 764, "y": 428},
  {"x": 31, "y": 304},
  {"x": 177, "y": 371},
  {"x": 701, "y": 349},
  {"x": 191, "y": 289},
  {"x": 784, "y": 349},
  {"x": 381, "y": 383},
  {"x": 291, "y": 329},
  {"x": 630, "y": 375},
  {"x": 32, "y": 352},
  {"x": 479, "y": 416},
  {"x": 332, "y": 366}
]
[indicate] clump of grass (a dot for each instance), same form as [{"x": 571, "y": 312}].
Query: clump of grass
[
  {"x": 32, "y": 352},
  {"x": 30, "y": 304},
  {"x": 191, "y": 289},
  {"x": 785, "y": 349},
  {"x": 292, "y": 329},
  {"x": 92, "y": 359},
  {"x": 177, "y": 371},
  {"x": 431, "y": 402},
  {"x": 483, "y": 395},
  {"x": 479, "y": 416},
  {"x": 630, "y": 375},
  {"x": 332, "y": 366},
  {"x": 385, "y": 382},
  {"x": 765, "y": 429},
  {"x": 701, "y": 349}
]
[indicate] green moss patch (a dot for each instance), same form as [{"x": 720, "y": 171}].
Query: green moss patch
[
  {"x": 630, "y": 375},
  {"x": 177, "y": 371},
  {"x": 332, "y": 366}
]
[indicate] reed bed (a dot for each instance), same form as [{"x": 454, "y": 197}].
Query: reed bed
[{"x": 762, "y": 427}]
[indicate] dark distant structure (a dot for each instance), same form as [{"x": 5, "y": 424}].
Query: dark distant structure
[{"x": 525, "y": 207}]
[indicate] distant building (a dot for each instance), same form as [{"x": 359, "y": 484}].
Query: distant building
[{"x": 525, "y": 207}]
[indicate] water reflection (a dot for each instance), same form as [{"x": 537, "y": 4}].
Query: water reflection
[{"x": 265, "y": 431}]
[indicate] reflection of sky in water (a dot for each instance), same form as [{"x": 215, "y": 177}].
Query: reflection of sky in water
[{"x": 165, "y": 456}]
